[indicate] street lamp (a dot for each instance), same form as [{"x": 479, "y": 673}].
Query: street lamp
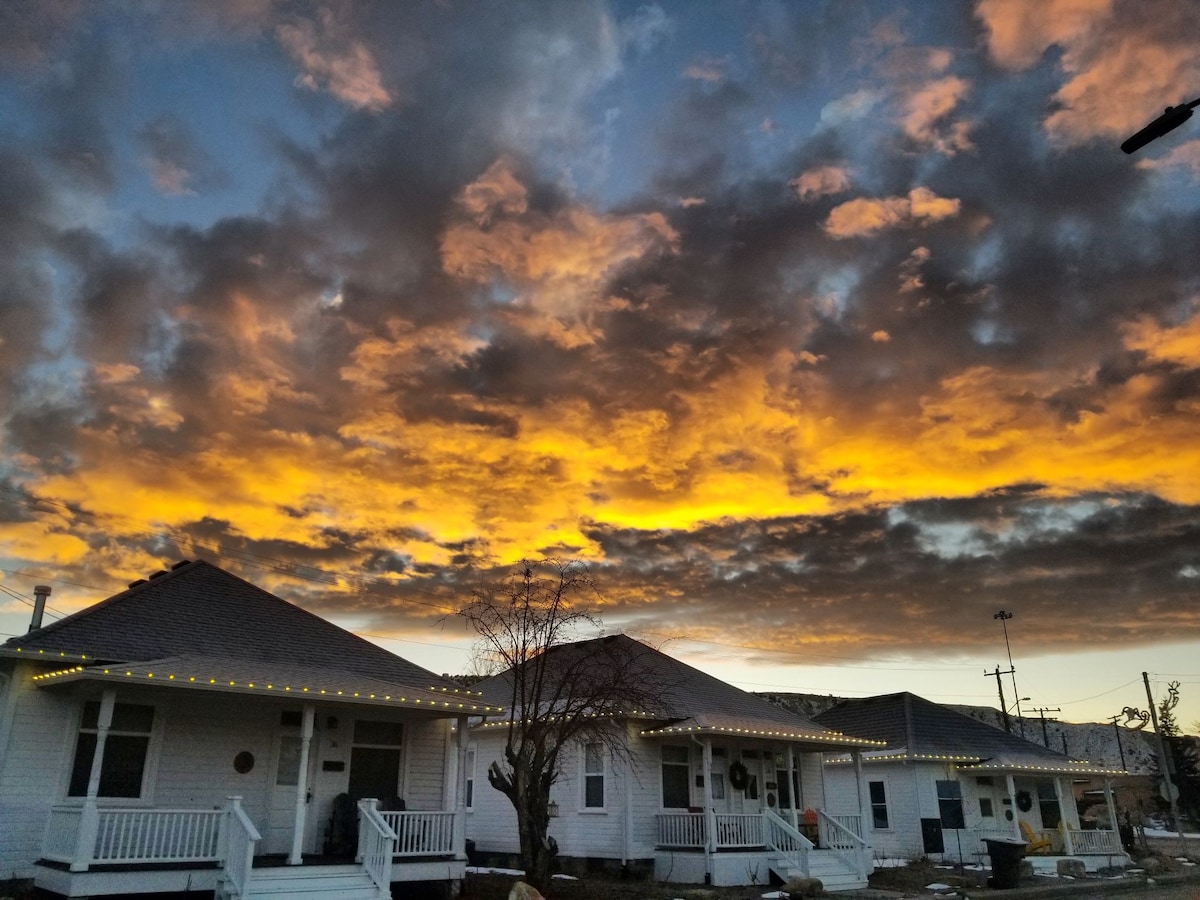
[{"x": 1172, "y": 118}]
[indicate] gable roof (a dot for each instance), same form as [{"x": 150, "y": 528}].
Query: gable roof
[
  {"x": 919, "y": 729},
  {"x": 200, "y": 625},
  {"x": 685, "y": 700}
]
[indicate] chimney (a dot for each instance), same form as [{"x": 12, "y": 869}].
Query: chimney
[{"x": 40, "y": 593}]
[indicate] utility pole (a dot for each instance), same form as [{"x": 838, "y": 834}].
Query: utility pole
[
  {"x": 1162, "y": 756},
  {"x": 1117, "y": 729},
  {"x": 1000, "y": 688},
  {"x": 1042, "y": 710},
  {"x": 1004, "y": 616}
]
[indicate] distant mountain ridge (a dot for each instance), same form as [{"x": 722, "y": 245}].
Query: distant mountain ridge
[{"x": 1093, "y": 741}]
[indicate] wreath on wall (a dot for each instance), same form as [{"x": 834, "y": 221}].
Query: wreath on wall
[
  {"x": 739, "y": 776},
  {"x": 1024, "y": 801}
]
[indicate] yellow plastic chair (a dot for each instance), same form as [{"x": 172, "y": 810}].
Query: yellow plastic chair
[{"x": 1036, "y": 844}]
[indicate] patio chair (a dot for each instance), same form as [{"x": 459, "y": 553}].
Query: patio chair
[{"x": 1036, "y": 844}]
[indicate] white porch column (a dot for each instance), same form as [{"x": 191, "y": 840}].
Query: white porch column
[
  {"x": 865, "y": 817},
  {"x": 296, "y": 857},
  {"x": 89, "y": 818},
  {"x": 1011, "y": 784},
  {"x": 1112, "y": 808},
  {"x": 459, "y": 836},
  {"x": 710, "y": 813},
  {"x": 1064, "y": 817},
  {"x": 793, "y": 786}
]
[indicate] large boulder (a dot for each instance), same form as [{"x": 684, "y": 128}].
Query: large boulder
[
  {"x": 1072, "y": 867},
  {"x": 804, "y": 887}
]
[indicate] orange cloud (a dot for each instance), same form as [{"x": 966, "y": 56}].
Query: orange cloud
[
  {"x": 343, "y": 66},
  {"x": 925, "y": 112},
  {"x": 820, "y": 182},
  {"x": 1020, "y": 31},
  {"x": 865, "y": 216}
]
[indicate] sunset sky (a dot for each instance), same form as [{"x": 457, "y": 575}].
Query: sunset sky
[{"x": 820, "y": 331}]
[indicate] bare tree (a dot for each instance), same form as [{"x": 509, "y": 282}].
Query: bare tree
[{"x": 559, "y": 693}]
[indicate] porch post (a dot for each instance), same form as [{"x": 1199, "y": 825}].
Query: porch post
[
  {"x": 1011, "y": 784},
  {"x": 864, "y": 804},
  {"x": 459, "y": 836},
  {"x": 1068, "y": 844},
  {"x": 306, "y": 732},
  {"x": 89, "y": 818},
  {"x": 710, "y": 813},
  {"x": 793, "y": 785},
  {"x": 1111, "y": 803}
]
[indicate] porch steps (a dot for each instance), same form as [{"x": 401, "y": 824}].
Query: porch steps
[
  {"x": 339, "y": 882},
  {"x": 826, "y": 865}
]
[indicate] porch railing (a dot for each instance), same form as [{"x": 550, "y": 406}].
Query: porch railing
[
  {"x": 376, "y": 840},
  {"x": 85, "y": 836},
  {"x": 682, "y": 830},
  {"x": 735, "y": 831},
  {"x": 1097, "y": 842},
  {"x": 790, "y": 844},
  {"x": 421, "y": 833},
  {"x": 241, "y": 837},
  {"x": 851, "y": 848}
]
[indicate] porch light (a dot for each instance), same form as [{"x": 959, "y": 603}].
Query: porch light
[{"x": 552, "y": 809}]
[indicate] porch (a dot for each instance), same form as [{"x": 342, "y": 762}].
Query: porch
[
  {"x": 94, "y": 851},
  {"x": 725, "y": 848},
  {"x": 1096, "y": 848}
]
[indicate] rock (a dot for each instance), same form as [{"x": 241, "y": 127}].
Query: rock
[
  {"x": 1026, "y": 869},
  {"x": 1152, "y": 866},
  {"x": 523, "y": 891},
  {"x": 1073, "y": 868},
  {"x": 805, "y": 887}
]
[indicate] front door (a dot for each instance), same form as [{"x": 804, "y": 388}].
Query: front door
[
  {"x": 376, "y": 763},
  {"x": 285, "y": 779}
]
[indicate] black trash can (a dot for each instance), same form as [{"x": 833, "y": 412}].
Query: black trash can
[{"x": 1006, "y": 855}]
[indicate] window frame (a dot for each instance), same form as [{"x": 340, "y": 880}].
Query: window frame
[
  {"x": 585, "y": 776},
  {"x": 685, "y": 765},
  {"x": 149, "y": 783},
  {"x": 877, "y": 805},
  {"x": 955, "y": 800},
  {"x": 472, "y": 755}
]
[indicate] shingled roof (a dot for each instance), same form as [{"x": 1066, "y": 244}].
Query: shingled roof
[
  {"x": 686, "y": 700},
  {"x": 915, "y": 728},
  {"x": 207, "y": 626}
]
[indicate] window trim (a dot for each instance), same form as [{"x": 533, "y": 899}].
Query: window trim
[
  {"x": 149, "y": 784},
  {"x": 884, "y": 804},
  {"x": 962, "y": 810},
  {"x": 584, "y": 775},
  {"x": 469, "y": 763},
  {"x": 687, "y": 768}
]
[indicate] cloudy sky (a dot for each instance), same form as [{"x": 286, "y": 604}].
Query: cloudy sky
[{"x": 820, "y": 331}]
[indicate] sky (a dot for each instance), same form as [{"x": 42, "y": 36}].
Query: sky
[{"x": 820, "y": 332}]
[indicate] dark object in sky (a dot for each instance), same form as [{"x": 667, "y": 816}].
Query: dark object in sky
[{"x": 1172, "y": 118}]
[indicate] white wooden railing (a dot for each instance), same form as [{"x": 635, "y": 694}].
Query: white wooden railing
[
  {"x": 736, "y": 831},
  {"x": 86, "y": 836},
  {"x": 421, "y": 833},
  {"x": 851, "y": 848},
  {"x": 784, "y": 839},
  {"x": 376, "y": 840},
  {"x": 681, "y": 830},
  {"x": 1098, "y": 842},
  {"x": 241, "y": 837}
]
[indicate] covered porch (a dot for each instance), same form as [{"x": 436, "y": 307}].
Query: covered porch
[{"x": 91, "y": 851}]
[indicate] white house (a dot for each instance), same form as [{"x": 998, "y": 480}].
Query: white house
[
  {"x": 947, "y": 782},
  {"x": 195, "y": 732},
  {"x": 712, "y": 785}
]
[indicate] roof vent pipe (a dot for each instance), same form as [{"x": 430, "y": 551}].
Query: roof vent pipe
[{"x": 40, "y": 593}]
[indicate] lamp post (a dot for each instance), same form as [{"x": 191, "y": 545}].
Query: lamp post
[{"x": 1172, "y": 118}]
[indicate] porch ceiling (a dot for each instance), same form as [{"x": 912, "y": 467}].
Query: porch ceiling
[{"x": 261, "y": 678}]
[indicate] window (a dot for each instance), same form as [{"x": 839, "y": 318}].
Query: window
[
  {"x": 718, "y": 785},
  {"x": 593, "y": 776},
  {"x": 1048, "y": 804},
  {"x": 375, "y": 760},
  {"x": 985, "y": 807},
  {"x": 949, "y": 794},
  {"x": 470, "y": 774},
  {"x": 125, "y": 750},
  {"x": 676, "y": 793},
  {"x": 879, "y": 811}
]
